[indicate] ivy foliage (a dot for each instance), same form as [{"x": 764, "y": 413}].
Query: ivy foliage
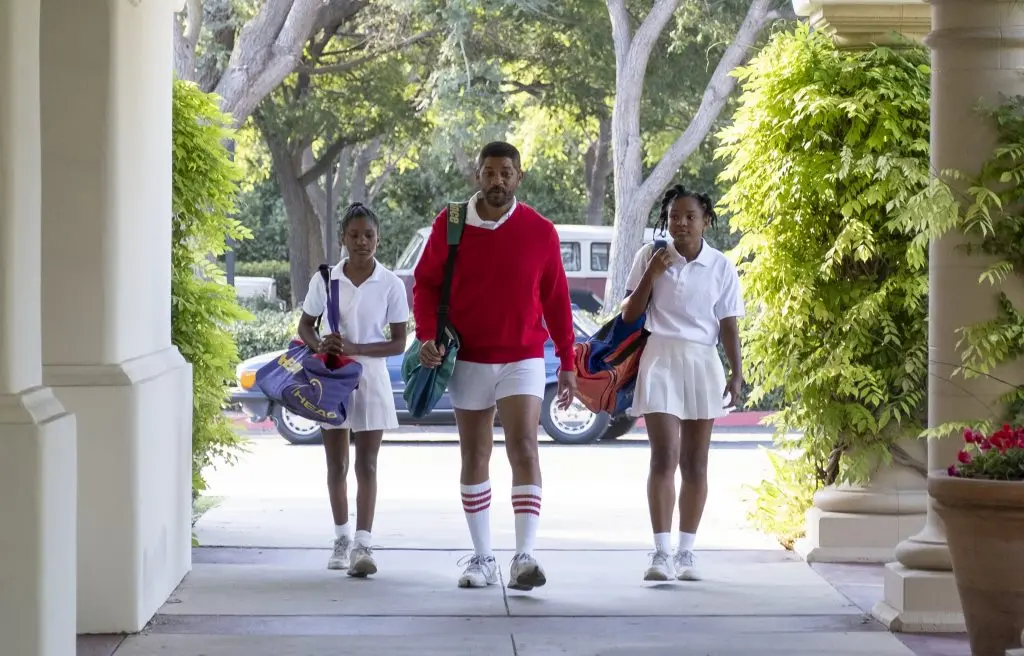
[
  {"x": 203, "y": 306},
  {"x": 988, "y": 215},
  {"x": 826, "y": 149}
]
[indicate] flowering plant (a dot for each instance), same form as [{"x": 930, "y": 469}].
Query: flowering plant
[{"x": 998, "y": 457}]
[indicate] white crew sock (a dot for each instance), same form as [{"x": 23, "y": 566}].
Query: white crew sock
[
  {"x": 686, "y": 540},
  {"x": 341, "y": 530},
  {"x": 526, "y": 505},
  {"x": 476, "y": 502},
  {"x": 363, "y": 538},
  {"x": 663, "y": 543}
]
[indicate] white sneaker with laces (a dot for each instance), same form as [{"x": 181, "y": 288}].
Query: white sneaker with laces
[
  {"x": 340, "y": 558},
  {"x": 686, "y": 566},
  {"x": 363, "y": 564},
  {"x": 480, "y": 572},
  {"x": 661, "y": 568},
  {"x": 525, "y": 573}
]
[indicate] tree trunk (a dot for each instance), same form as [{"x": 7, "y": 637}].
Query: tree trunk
[
  {"x": 305, "y": 238},
  {"x": 634, "y": 196},
  {"x": 598, "y": 165},
  {"x": 358, "y": 188}
]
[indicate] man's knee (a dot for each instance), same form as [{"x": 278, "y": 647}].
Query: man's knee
[
  {"x": 694, "y": 469},
  {"x": 522, "y": 451}
]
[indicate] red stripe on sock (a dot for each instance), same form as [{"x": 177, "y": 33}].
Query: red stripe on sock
[
  {"x": 516, "y": 497},
  {"x": 475, "y": 495},
  {"x": 476, "y": 506},
  {"x": 528, "y": 511},
  {"x": 525, "y": 505}
]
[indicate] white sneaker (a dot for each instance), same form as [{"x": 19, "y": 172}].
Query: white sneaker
[
  {"x": 661, "y": 568},
  {"x": 686, "y": 566},
  {"x": 480, "y": 572},
  {"x": 339, "y": 559},
  {"x": 525, "y": 573},
  {"x": 363, "y": 564}
]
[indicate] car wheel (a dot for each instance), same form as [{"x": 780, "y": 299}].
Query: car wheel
[
  {"x": 619, "y": 426},
  {"x": 576, "y": 425},
  {"x": 297, "y": 430}
]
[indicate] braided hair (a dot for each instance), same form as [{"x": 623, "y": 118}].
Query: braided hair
[
  {"x": 679, "y": 191},
  {"x": 355, "y": 211}
]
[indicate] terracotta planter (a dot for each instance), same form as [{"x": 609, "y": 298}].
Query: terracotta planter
[{"x": 985, "y": 530}]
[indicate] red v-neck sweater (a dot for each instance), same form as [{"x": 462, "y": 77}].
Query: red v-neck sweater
[{"x": 508, "y": 283}]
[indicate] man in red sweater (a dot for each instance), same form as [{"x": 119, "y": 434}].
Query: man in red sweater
[{"x": 508, "y": 293}]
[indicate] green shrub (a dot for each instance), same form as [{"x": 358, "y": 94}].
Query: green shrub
[
  {"x": 781, "y": 502},
  {"x": 202, "y": 304},
  {"x": 268, "y": 330},
  {"x": 826, "y": 151},
  {"x": 279, "y": 271}
]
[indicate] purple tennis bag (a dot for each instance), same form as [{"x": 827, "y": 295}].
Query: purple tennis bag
[{"x": 310, "y": 384}]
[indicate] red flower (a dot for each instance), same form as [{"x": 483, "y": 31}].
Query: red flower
[
  {"x": 984, "y": 444},
  {"x": 969, "y": 436},
  {"x": 952, "y": 471},
  {"x": 963, "y": 457}
]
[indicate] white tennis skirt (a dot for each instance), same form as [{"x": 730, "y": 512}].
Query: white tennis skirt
[
  {"x": 680, "y": 378},
  {"x": 372, "y": 406}
]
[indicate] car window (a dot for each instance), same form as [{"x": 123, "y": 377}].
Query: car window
[
  {"x": 411, "y": 254},
  {"x": 571, "y": 259},
  {"x": 599, "y": 251},
  {"x": 584, "y": 324}
]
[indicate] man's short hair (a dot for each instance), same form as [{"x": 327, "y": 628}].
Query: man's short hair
[{"x": 499, "y": 149}]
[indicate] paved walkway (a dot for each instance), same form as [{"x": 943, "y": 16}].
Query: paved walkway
[{"x": 259, "y": 584}]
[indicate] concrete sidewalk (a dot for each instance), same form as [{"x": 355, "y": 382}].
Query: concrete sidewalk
[{"x": 252, "y": 602}]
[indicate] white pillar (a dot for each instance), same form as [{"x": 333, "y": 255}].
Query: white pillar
[
  {"x": 865, "y": 523},
  {"x": 106, "y": 214},
  {"x": 977, "y": 53},
  {"x": 37, "y": 436}
]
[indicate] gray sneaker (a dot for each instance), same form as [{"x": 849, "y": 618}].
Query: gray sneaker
[
  {"x": 363, "y": 564},
  {"x": 686, "y": 566},
  {"x": 661, "y": 568},
  {"x": 480, "y": 572},
  {"x": 525, "y": 573},
  {"x": 340, "y": 558}
]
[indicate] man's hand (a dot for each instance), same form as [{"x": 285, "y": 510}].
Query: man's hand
[
  {"x": 567, "y": 389},
  {"x": 431, "y": 355},
  {"x": 332, "y": 345},
  {"x": 733, "y": 389}
]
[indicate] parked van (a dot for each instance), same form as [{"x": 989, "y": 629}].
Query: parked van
[{"x": 585, "y": 255}]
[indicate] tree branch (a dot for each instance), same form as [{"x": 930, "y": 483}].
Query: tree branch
[
  {"x": 323, "y": 163},
  {"x": 648, "y": 33},
  {"x": 187, "y": 27},
  {"x": 715, "y": 96},
  {"x": 359, "y": 61},
  {"x": 622, "y": 34}
]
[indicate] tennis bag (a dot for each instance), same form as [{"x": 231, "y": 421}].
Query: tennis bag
[
  {"x": 424, "y": 387},
  {"x": 607, "y": 363},
  {"x": 310, "y": 384}
]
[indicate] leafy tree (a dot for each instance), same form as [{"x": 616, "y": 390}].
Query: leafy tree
[
  {"x": 202, "y": 304},
  {"x": 825, "y": 155}
]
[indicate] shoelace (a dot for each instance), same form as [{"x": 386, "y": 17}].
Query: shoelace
[{"x": 473, "y": 560}]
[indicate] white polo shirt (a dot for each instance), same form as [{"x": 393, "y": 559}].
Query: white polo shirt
[
  {"x": 473, "y": 216},
  {"x": 691, "y": 298},
  {"x": 365, "y": 310}
]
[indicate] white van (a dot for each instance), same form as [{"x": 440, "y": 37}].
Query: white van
[{"x": 585, "y": 255}]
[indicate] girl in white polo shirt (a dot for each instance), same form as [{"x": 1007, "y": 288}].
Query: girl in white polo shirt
[
  {"x": 370, "y": 299},
  {"x": 691, "y": 294}
]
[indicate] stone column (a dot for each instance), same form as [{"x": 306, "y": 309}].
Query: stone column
[
  {"x": 37, "y": 436},
  {"x": 106, "y": 229},
  {"x": 977, "y": 54},
  {"x": 853, "y": 523}
]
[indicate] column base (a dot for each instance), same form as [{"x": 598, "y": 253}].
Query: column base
[
  {"x": 38, "y": 486},
  {"x": 135, "y": 485},
  {"x": 919, "y": 601},
  {"x": 840, "y": 537}
]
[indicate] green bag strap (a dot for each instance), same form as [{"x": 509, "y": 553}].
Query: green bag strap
[{"x": 456, "y": 223}]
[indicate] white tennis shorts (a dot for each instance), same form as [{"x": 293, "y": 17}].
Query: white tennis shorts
[{"x": 477, "y": 386}]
